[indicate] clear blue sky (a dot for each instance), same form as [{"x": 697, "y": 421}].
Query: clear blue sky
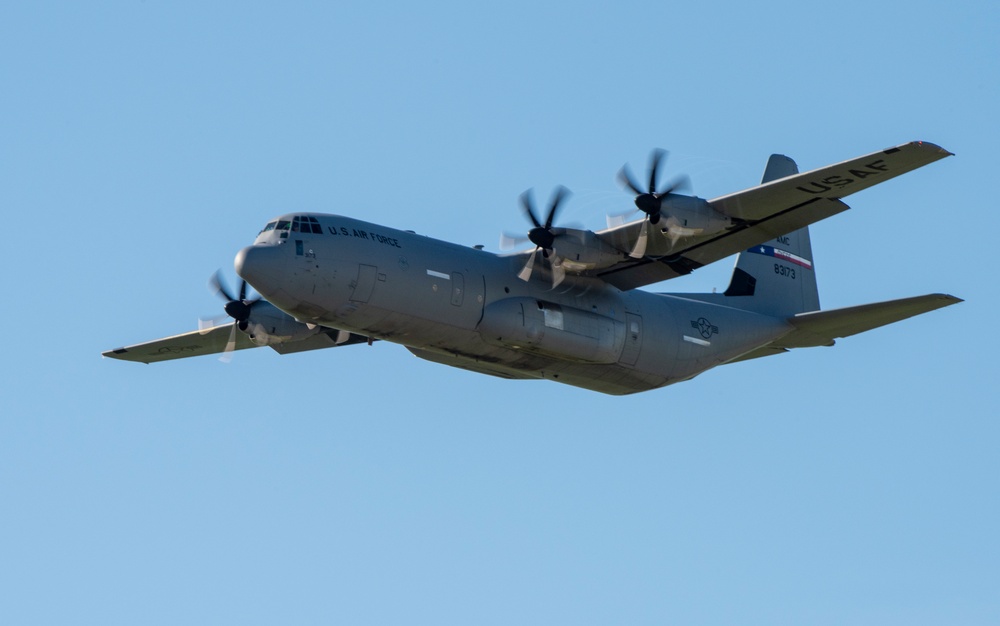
[{"x": 143, "y": 143}]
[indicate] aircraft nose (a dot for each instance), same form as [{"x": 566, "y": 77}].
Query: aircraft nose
[{"x": 257, "y": 265}]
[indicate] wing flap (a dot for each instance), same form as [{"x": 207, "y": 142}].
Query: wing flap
[
  {"x": 329, "y": 339},
  {"x": 630, "y": 275}
]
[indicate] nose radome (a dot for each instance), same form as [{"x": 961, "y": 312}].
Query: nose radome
[{"x": 257, "y": 265}]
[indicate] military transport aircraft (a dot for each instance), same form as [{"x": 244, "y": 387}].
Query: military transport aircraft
[{"x": 568, "y": 310}]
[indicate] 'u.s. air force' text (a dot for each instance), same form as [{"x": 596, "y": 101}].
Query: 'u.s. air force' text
[{"x": 361, "y": 234}]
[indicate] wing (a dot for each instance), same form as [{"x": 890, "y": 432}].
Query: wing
[
  {"x": 766, "y": 212},
  {"x": 214, "y": 340},
  {"x": 194, "y": 343}
]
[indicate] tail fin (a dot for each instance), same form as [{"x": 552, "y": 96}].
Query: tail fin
[{"x": 777, "y": 277}]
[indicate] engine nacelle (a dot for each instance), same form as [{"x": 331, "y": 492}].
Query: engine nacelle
[
  {"x": 686, "y": 213},
  {"x": 582, "y": 250},
  {"x": 552, "y": 330},
  {"x": 269, "y": 325}
]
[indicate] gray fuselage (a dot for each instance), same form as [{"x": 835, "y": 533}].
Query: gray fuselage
[{"x": 467, "y": 308}]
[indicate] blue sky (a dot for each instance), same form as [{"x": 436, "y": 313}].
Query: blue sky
[{"x": 143, "y": 143}]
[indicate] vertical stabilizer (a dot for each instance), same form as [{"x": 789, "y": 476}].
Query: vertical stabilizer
[{"x": 777, "y": 277}]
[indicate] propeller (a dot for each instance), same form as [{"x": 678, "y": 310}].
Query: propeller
[
  {"x": 237, "y": 307},
  {"x": 543, "y": 235},
  {"x": 650, "y": 201}
]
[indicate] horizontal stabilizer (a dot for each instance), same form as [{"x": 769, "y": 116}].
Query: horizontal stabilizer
[{"x": 820, "y": 328}]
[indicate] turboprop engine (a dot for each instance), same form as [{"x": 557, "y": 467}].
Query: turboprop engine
[
  {"x": 563, "y": 249},
  {"x": 686, "y": 216},
  {"x": 263, "y": 322},
  {"x": 582, "y": 250},
  {"x": 673, "y": 214},
  {"x": 267, "y": 325}
]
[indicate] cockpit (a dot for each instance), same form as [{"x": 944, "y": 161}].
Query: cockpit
[{"x": 277, "y": 230}]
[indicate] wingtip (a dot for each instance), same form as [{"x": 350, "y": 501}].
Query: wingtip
[
  {"x": 946, "y": 299},
  {"x": 927, "y": 145}
]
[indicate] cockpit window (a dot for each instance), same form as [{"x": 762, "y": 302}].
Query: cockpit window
[
  {"x": 298, "y": 224},
  {"x": 306, "y": 224}
]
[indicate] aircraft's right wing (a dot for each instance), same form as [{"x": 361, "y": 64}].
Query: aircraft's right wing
[
  {"x": 765, "y": 212},
  {"x": 832, "y": 182}
]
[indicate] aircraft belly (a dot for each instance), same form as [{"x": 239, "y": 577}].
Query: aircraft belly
[
  {"x": 465, "y": 349},
  {"x": 505, "y": 363}
]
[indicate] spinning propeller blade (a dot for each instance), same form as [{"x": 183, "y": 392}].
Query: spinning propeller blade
[
  {"x": 543, "y": 235},
  {"x": 639, "y": 250},
  {"x": 238, "y": 308},
  {"x": 525, "y": 273},
  {"x": 227, "y": 354},
  {"x": 508, "y": 241}
]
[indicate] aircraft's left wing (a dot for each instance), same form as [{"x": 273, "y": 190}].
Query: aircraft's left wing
[
  {"x": 766, "y": 212},
  {"x": 214, "y": 340},
  {"x": 194, "y": 343}
]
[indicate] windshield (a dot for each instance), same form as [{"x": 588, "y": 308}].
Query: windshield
[{"x": 306, "y": 224}]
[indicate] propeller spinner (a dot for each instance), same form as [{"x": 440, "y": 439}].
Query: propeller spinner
[{"x": 651, "y": 200}]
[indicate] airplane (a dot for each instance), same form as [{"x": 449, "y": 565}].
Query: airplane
[{"x": 569, "y": 310}]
